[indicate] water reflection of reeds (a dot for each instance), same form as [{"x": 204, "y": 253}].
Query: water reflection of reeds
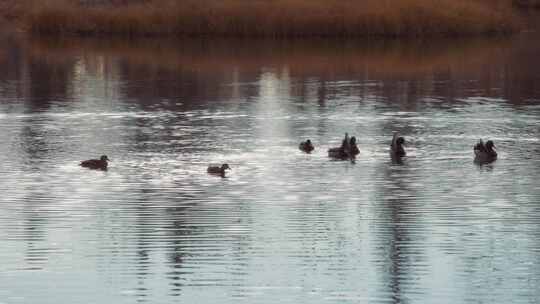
[
  {"x": 384, "y": 57},
  {"x": 197, "y": 69}
]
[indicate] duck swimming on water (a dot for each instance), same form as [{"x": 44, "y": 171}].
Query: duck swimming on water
[
  {"x": 98, "y": 164},
  {"x": 353, "y": 148},
  {"x": 484, "y": 153},
  {"x": 347, "y": 150},
  {"x": 306, "y": 146},
  {"x": 219, "y": 170},
  {"x": 396, "y": 147}
]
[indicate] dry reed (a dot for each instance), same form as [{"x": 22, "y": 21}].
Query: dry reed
[{"x": 273, "y": 18}]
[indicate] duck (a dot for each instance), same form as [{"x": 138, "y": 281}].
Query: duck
[
  {"x": 347, "y": 150},
  {"x": 396, "y": 147},
  {"x": 353, "y": 147},
  {"x": 306, "y": 146},
  {"x": 98, "y": 164},
  {"x": 484, "y": 153},
  {"x": 216, "y": 169}
]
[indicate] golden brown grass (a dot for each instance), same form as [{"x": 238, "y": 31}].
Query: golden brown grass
[{"x": 273, "y": 18}]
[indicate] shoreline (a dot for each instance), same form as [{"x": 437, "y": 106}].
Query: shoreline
[{"x": 266, "y": 19}]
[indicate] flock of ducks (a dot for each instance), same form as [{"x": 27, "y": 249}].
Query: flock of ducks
[
  {"x": 349, "y": 149},
  {"x": 103, "y": 163},
  {"x": 484, "y": 153}
]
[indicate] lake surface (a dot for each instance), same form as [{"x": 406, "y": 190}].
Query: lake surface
[{"x": 283, "y": 226}]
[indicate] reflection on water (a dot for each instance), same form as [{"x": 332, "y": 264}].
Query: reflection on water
[{"x": 283, "y": 226}]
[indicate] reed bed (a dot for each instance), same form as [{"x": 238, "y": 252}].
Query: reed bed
[{"x": 271, "y": 18}]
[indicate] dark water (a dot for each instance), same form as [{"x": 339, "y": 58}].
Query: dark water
[{"x": 282, "y": 227}]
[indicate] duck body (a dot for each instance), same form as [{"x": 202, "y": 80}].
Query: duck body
[
  {"x": 484, "y": 153},
  {"x": 337, "y": 153},
  {"x": 354, "y": 150},
  {"x": 218, "y": 170},
  {"x": 396, "y": 147},
  {"x": 306, "y": 146},
  {"x": 342, "y": 154},
  {"x": 96, "y": 164}
]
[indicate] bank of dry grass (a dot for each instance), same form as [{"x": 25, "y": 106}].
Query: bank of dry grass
[{"x": 271, "y": 18}]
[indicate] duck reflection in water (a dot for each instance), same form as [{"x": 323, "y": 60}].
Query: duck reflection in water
[{"x": 400, "y": 232}]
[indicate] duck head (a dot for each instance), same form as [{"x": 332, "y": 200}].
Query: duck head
[
  {"x": 104, "y": 158},
  {"x": 490, "y": 145},
  {"x": 225, "y": 167},
  {"x": 400, "y": 141}
]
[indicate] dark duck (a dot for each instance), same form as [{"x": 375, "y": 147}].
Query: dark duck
[
  {"x": 347, "y": 150},
  {"x": 306, "y": 146},
  {"x": 396, "y": 147},
  {"x": 218, "y": 170},
  {"x": 485, "y": 153},
  {"x": 98, "y": 164}
]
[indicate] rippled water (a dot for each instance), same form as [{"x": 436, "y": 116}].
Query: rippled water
[{"x": 283, "y": 226}]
